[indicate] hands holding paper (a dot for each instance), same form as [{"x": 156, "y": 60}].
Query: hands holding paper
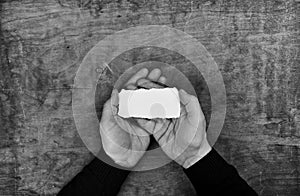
[{"x": 183, "y": 139}]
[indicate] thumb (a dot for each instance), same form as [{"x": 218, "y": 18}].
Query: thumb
[
  {"x": 110, "y": 107},
  {"x": 192, "y": 107},
  {"x": 114, "y": 101}
]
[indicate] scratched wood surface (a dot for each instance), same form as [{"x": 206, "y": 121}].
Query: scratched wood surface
[{"x": 255, "y": 44}]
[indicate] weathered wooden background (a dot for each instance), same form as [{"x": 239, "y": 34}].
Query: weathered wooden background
[{"x": 255, "y": 43}]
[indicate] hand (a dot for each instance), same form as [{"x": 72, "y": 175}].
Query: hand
[
  {"x": 123, "y": 140},
  {"x": 183, "y": 139}
]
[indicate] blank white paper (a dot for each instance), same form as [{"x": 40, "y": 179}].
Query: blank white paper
[{"x": 152, "y": 103}]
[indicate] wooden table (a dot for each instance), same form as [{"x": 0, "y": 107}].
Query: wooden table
[{"x": 255, "y": 44}]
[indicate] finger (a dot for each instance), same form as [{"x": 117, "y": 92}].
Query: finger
[
  {"x": 184, "y": 97},
  {"x": 140, "y": 74},
  {"x": 159, "y": 124},
  {"x": 107, "y": 111},
  {"x": 131, "y": 127},
  {"x": 152, "y": 125},
  {"x": 162, "y": 79},
  {"x": 140, "y": 82},
  {"x": 147, "y": 125},
  {"x": 114, "y": 101},
  {"x": 154, "y": 74},
  {"x": 163, "y": 134},
  {"x": 131, "y": 87},
  {"x": 192, "y": 106},
  {"x": 145, "y": 83}
]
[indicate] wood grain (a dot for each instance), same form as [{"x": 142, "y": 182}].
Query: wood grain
[{"x": 255, "y": 44}]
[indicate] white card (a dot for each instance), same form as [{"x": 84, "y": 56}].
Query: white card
[{"x": 152, "y": 103}]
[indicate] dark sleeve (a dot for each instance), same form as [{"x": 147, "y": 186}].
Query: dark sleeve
[
  {"x": 212, "y": 175},
  {"x": 97, "y": 178}
]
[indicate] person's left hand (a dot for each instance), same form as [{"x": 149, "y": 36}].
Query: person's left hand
[
  {"x": 122, "y": 139},
  {"x": 183, "y": 139}
]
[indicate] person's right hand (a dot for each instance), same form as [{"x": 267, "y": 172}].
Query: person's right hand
[
  {"x": 183, "y": 139},
  {"x": 123, "y": 141}
]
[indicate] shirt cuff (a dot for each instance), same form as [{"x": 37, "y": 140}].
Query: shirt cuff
[
  {"x": 106, "y": 167},
  {"x": 210, "y": 167},
  {"x": 204, "y": 150}
]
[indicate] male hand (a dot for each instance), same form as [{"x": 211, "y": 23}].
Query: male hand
[
  {"x": 183, "y": 139},
  {"x": 122, "y": 139}
]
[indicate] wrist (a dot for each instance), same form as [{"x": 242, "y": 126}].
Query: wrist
[{"x": 202, "y": 152}]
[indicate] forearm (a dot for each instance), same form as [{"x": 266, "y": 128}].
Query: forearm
[
  {"x": 212, "y": 175},
  {"x": 97, "y": 178}
]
